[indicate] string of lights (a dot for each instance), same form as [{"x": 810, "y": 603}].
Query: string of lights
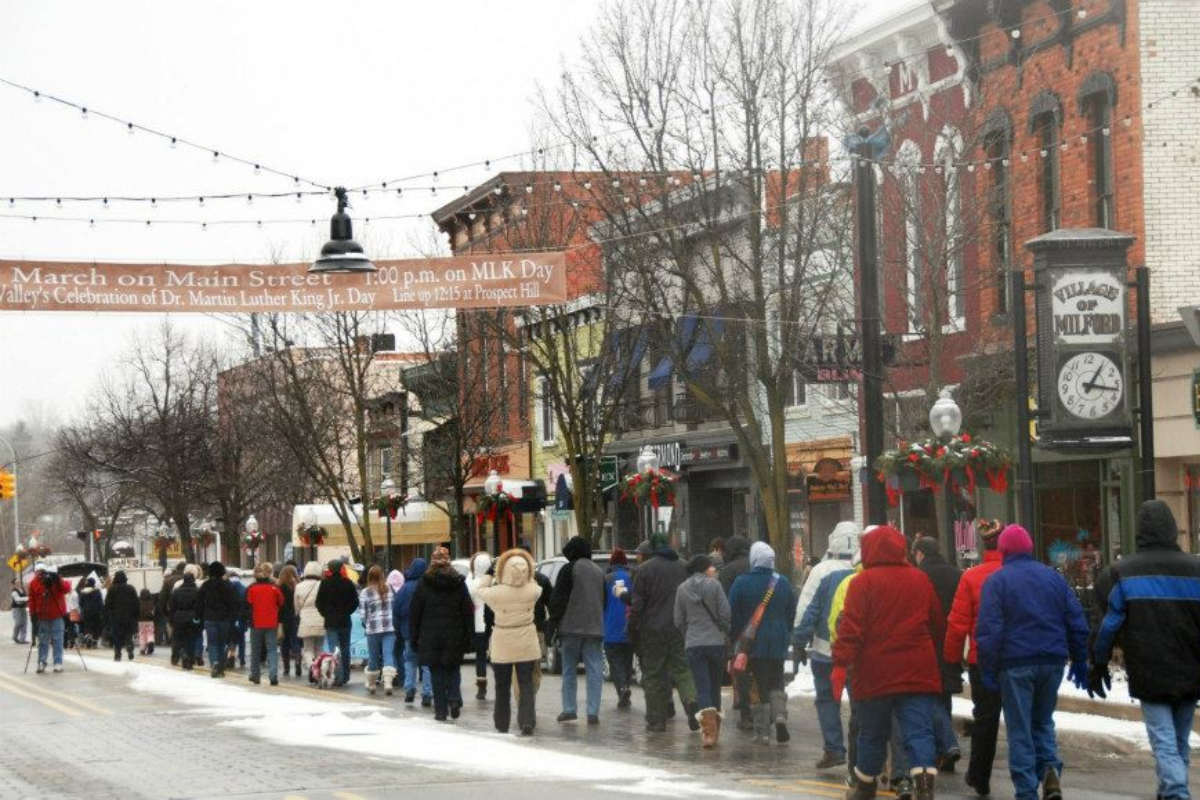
[{"x": 173, "y": 140}]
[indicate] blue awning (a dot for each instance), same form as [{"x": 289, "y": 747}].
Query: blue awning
[
  {"x": 662, "y": 373},
  {"x": 628, "y": 366},
  {"x": 693, "y": 340}
]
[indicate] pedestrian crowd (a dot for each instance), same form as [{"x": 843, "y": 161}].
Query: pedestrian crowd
[{"x": 887, "y": 628}]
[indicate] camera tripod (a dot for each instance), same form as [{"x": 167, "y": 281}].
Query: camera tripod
[{"x": 33, "y": 643}]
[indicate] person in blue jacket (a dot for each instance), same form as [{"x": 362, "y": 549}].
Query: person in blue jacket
[
  {"x": 617, "y": 648},
  {"x": 768, "y": 647},
  {"x": 402, "y": 625},
  {"x": 1030, "y": 623}
]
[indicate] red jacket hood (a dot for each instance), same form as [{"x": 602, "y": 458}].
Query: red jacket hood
[{"x": 884, "y": 546}]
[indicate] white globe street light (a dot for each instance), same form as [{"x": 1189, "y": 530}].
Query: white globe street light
[
  {"x": 648, "y": 461},
  {"x": 945, "y": 418},
  {"x": 492, "y": 484}
]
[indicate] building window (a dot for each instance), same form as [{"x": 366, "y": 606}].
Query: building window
[
  {"x": 954, "y": 309},
  {"x": 1045, "y": 128},
  {"x": 908, "y": 161},
  {"x": 385, "y": 463},
  {"x": 546, "y": 419},
  {"x": 999, "y": 152},
  {"x": 1098, "y": 113},
  {"x": 797, "y": 391}
]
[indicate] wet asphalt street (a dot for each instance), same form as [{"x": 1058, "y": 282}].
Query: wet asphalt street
[{"x": 97, "y": 734}]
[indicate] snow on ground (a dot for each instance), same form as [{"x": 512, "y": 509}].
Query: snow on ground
[
  {"x": 1097, "y": 724},
  {"x": 335, "y": 724}
]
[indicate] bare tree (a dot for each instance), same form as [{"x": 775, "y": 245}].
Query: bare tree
[{"x": 99, "y": 496}]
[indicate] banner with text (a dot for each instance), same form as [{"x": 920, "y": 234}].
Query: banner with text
[{"x": 477, "y": 281}]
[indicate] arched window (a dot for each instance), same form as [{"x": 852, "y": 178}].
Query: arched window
[
  {"x": 1097, "y": 96},
  {"x": 1045, "y": 123},
  {"x": 997, "y": 145},
  {"x": 949, "y": 256},
  {"x": 908, "y": 162}
]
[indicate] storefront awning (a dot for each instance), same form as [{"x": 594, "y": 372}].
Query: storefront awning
[
  {"x": 694, "y": 340},
  {"x": 420, "y": 522}
]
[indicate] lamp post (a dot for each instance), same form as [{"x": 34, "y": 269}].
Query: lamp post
[
  {"x": 647, "y": 465},
  {"x": 388, "y": 490},
  {"x": 252, "y": 540},
  {"x": 945, "y": 420},
  {"x": 312, "y": 528},
  {"x": 491, "y": 487},
  {"x": 341, "y": 254}
]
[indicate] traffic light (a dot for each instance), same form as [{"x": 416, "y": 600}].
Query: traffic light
[{"x": 8, "y": 485}]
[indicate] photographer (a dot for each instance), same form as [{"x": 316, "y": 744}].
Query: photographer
[{"x": 48, "y": 607}]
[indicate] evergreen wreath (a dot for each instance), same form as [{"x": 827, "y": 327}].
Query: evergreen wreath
[{"x": 656, "y": 488}]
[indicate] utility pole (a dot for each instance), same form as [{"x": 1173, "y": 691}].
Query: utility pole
[{"x": 865, "y": 150}]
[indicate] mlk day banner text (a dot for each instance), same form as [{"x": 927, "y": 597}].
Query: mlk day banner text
[{"x": 483, "y": 281}]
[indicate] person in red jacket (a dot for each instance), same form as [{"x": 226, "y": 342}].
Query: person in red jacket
[
  {"x": 265, "y": 601},
  {"x": 48, "y": 607},
  {"x": 960, "y": 627},
  {"x": 887, "y": 643}
]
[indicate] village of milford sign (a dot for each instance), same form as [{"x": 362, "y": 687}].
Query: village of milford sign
[
  {"x": 1083, "y": 339},
  {"x": 477, "y": 281}
]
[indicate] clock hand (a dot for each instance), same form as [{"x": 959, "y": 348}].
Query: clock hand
[
  {"x": 1088, "y": 386},
  {"x": 1102, "y": 387}
]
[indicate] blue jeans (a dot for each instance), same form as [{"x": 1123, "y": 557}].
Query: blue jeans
[
  {"x": 217, "y": 634},
  {"x": 50, "y": 633},
  {"x": 943, "y": 727},
  {"x": 237, "y": 634},
  {"x": 381, "y": 651},
  {"x": 707, "y": 663},
  {"x": 589, "y": 649},
  {"x": 264, "y": 638},
  {"x": 340, "y": 638},
  {"x": 413, "y": 669},
  {"x": 829, "y": 712},
  {"x": 914, "y": 712},
  {"x": 1029, "y": 696},
  {"x": 1169, "y": 727}
]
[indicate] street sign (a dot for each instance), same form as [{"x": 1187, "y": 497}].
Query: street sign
[
  {"x": 610, "y": 473},
  {"x": 18, "y": 564}
]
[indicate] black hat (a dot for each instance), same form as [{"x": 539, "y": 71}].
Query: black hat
[{"x": 698, "y": 563}]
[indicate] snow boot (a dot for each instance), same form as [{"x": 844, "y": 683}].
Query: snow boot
[
  {"x": 286, "y": 658},
  {"x": 691, "y": 708},
  {"x": 710, "y": 727},
  {"x": 389, "y": 676},
  {"x": 761, "y": 714},
  {"x": 1051, "y": 788},
  {"x": 861, "y": 787},
  {"x": 745, "y": 718},
  {"x": 481, "y": 688},
  {"x": 779, "y": 716},
  {"x": 923, "y": 780},
  {"x": 372, "y": 680}
]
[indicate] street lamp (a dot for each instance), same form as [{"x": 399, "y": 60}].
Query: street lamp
[
  {"x": 945, "y": 420},
  {"x": 388, "y": 490},
  {"x": 341, "y": 254},
  {"x": 647, "y": 465},
  {"x": 311, "y": 526},
  {"x": 252, "y": 540},
  {"x": 491, "y": 487}
]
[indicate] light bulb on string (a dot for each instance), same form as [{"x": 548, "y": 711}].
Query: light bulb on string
[
  {"x": 105, "y": 202},
  {"x": 83, "y": 112},
  {"x": 37, "y": 97},
  {"x": 58, "y": 202},
  {"x": 297, "y": 198},
  {"x": 129, "y": 128},
  {"x": 616, "y": 182},
  {"x": 92, "y": 224},
  {"x": 173, "y": 143},
  {"x": 216, "y": 156},
  {"x": 202, "y": 202},
  {"x": 204, "y": 227},
  {"x": 433, "y": 190},
  {"x": 153, "y": 204},
  {"x": 587, "y": 185},
  {"x": 257, "y": 169},
  {"x": 1082, "y": 13},
  {"x": 1016, "y": 33},
  {"x": 1106, "y": 131},
  {"x": 557, "y": 186},
  {"x": 249, "y": 199},
  {"x": 499, "y": 190},
  {"x": 259, "y": 224},
  {"x": 399, "y": 192},
  {"x": 435, "y": 177},
  {"x": 529, "y": 188}
]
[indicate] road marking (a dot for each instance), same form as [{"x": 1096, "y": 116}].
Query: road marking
[
  {"x": 348, "y": 796},
  {"x": 294, "y": 797},
  {"x": 64, "y": 697},
  {"x": 70, "y": 712}
]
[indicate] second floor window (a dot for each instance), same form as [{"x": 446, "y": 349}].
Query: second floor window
[
  {"x": 1098, "y": 111},
  {"x": 1045, "y": 127},
  {"x": 796, "y": 395},
  {"x": 546, "y": 421}
]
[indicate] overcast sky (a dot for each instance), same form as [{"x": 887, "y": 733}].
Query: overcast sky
[{"x": 348, "y": 92}]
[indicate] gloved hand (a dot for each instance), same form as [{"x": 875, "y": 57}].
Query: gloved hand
[
  {"x": 1099, "y": 681},
  {"x": 1078, "y": 673},
  {"x": 800, "y": 654},
  {"x": 838, "y": 678}
]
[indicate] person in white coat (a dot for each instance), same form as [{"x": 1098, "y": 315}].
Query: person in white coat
[
  {"x": 515, "y": 647},
  {"x": 311, "y": 630},
  {"x": 480, "y": 564}
]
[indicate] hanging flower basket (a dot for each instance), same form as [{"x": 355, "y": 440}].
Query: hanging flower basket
[
  {"x": 252, "y": 541},
  {"x": 389, "y": 506},
  {"x": 656, "y": 488},
  {"x": 203, "y": 539},
  {"x": 33, "y": 550},
  {"x": 930, "y": 464},
  {"x": 490, "y": 506},
  {"x": 310, "y": 537}
]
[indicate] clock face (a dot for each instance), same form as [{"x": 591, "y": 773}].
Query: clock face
[{"x": 1090, "y": 385}]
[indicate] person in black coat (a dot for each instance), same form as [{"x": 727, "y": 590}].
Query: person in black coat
[
  {"x": 944, "y": 576},
  {"x": 123, "y": 608},
  {"x": 337, "y": 600},
  {"x": 218, "y": 605},
  {"x": 737, "y": 561},
  {"x": 443, "y": 629},
  {"x": 183, "y": 611}
]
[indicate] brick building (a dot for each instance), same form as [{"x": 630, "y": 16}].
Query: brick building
[{"x": 1022, "y": 118}]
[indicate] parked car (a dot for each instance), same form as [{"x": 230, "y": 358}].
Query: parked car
[{"x": 551, "y": 568}]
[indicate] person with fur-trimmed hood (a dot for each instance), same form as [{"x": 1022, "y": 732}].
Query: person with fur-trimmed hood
[
  {"x": 512, "y": 596},
  {"x": 311, "y": 625},
  {"x": 443, "y": 624},
  {"x": 481, "y": 562}
]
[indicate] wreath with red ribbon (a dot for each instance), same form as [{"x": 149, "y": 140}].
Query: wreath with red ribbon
[
  {"x": 203, "y": 539},
  {"x": 34, "y": 550},
  {"x": 655, "y": 488},
  {"x": 491, "y": 506},
  {"x": 389, "y": 506},
  {"x": 310, "y": 537},
  {"x": 931, "y": 463}
]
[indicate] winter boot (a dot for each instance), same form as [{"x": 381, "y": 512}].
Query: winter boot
[
  {"x": 861, "y": 787},
  {"x": 129, "y": 650},
  {"x": 481, "y": 688},
  {"x": 286, "y": 658},
  {"x": 691, "y": 709},
  {"x": 710, "y": 727},
  {"x": 903, "y": 787},
  {"x": 1051, "y": 788},
  {"x": 761, "y": 714},
  {"x": 299, "y": 665},
  {"x": 923, "y": 783},
  {"x": 372, "y": 680},
  {"x": 779, "y": 716},
  {"x": 389, "y": 676},
  {"x": 745, "y": 718}
]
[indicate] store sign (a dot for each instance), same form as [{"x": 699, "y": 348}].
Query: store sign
[
  {"x": 1088, "y": 307},
  {"x": 711, "y": 454},
  {"x": 609, "y": 473},
  {"x": 828, "y": 482},
  {"x": 838, "y": 358},
  {"x": 479, "y": 281},
  {"x": 670, "y": 454}
]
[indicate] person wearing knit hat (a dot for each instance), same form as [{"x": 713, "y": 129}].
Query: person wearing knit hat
[
  {"x": 1030, "y": 624},
  {"x": 618, "y": 650},
  {"x": 960, "y": 628}
]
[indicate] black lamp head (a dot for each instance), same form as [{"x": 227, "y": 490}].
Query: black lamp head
[{"x": 341, "y": 254}]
